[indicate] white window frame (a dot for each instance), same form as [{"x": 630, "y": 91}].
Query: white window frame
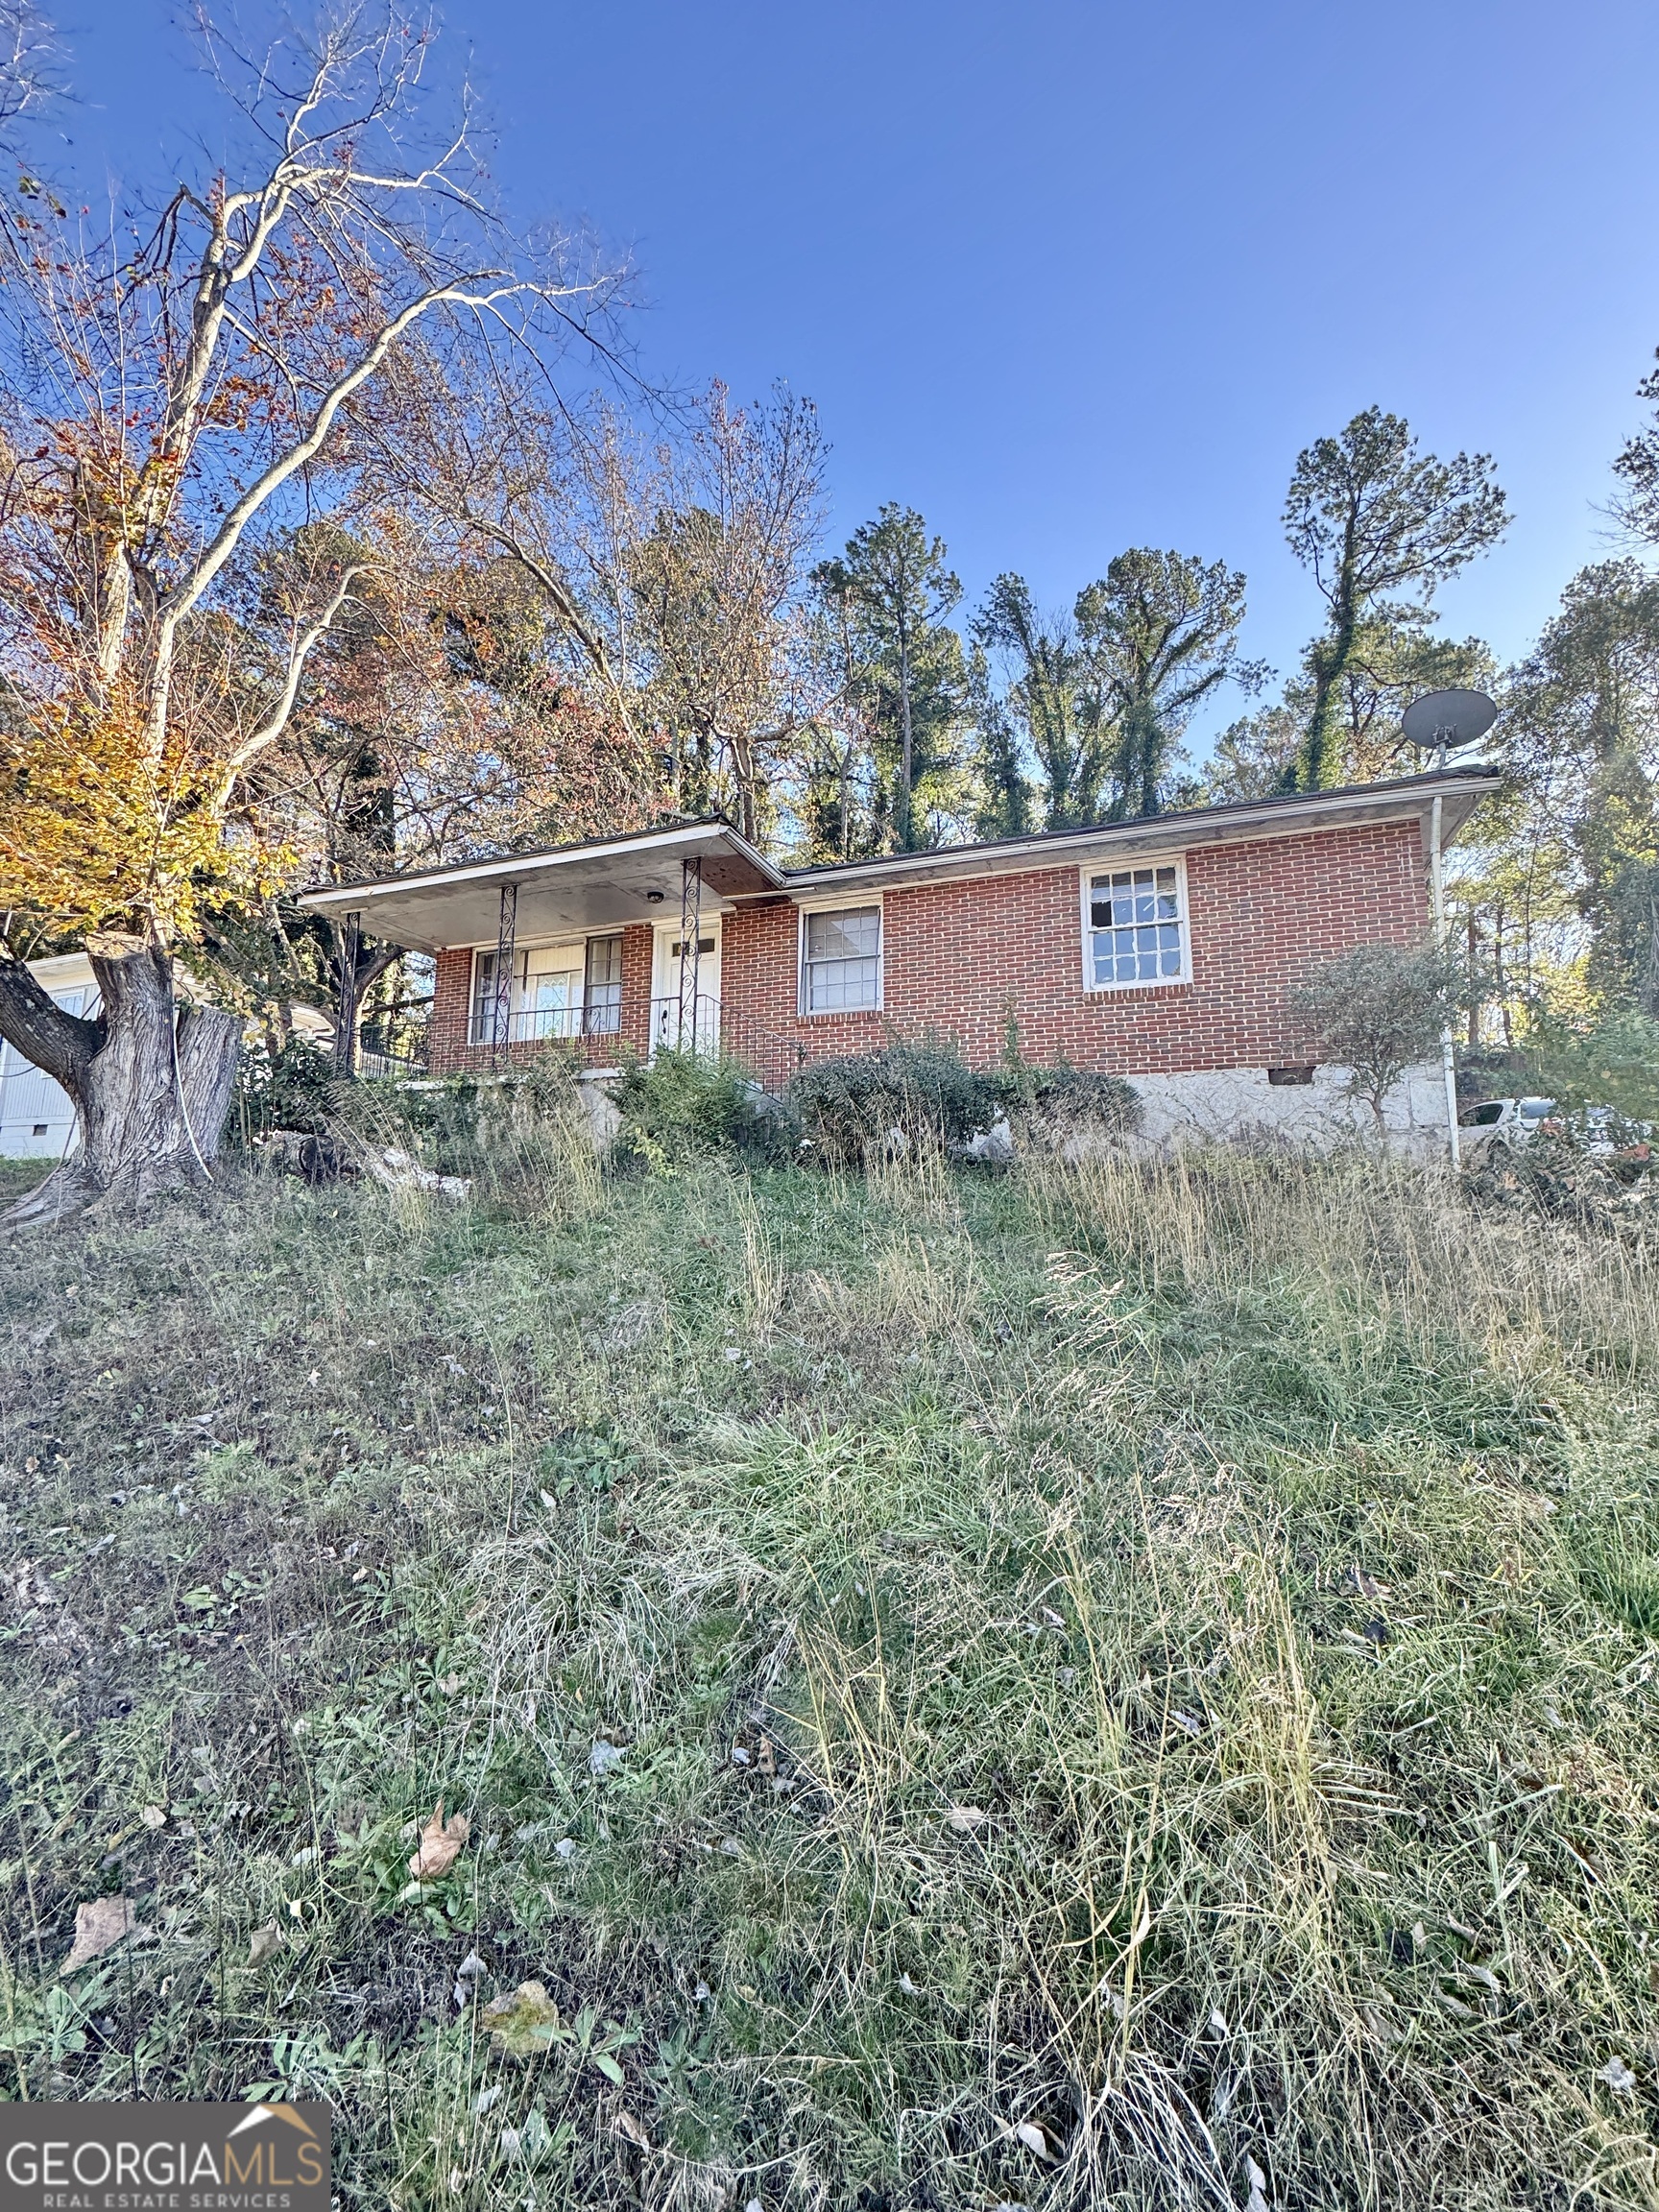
[
  {"x": 516, "y": 1013},
  {"x": 841, "y": 906},
  {"x": 1110, "y": 867}
]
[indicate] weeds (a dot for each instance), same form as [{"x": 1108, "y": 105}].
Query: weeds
[{"x": 1115, "y": 1686}]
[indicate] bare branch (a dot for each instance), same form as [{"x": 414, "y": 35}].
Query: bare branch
[
  {"x": 308, "y": 447},
  {"x": 29, "y": 64},
  {"x": 277, "y": 721}
]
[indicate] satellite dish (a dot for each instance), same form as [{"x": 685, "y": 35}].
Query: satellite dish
[{"x": 1446, "y": 721}]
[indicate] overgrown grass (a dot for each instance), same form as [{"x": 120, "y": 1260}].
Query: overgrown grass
[{"x": 1072, "y": 1689}]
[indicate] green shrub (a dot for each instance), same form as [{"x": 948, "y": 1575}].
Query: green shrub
[
  {"x": 292, "y": 1089},
  {"x": 849, "y": 1109},
  {"x": 1379, "y": 1010},
  {"x": 681, "y": 1106}
]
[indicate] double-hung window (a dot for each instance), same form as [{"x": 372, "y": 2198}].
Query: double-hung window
[
  {"x": 840, "y": 959},
  {"x": 545, "y": 1002},
  {"x": 602, "y": 987},
  {"x": 483, "y": 1029},
  {"x": 552, "y": 995},
  {"x": 1134, "y": 926}
]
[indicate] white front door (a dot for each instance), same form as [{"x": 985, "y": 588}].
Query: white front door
[{"x": 673, "y": 1020}]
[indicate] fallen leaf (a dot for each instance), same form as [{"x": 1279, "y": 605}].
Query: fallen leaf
[
  {"x": 264, "y": 1943},
  {"x": 965, "y": 1819},
  {"x": 1366, "y": 1585},
  {"x": 626, "y": 2125},
  {"x": 1258, "y": 2181},
  {"x": 1616, "y": 2075},
  {"x": 1188, "y": 1721},
  {"x": 522, "y": 2021},
  {"x": 1032, "y": 2136},
  {"x": 605, "y": 1758},
  {"x": 152, "y": 1817},
  {"x": 440, "y": 1844},
  {"x": 100, "y": 1924},
  {"x": 449, "y": 1684},
  {"x": 766, "y": 1759}
]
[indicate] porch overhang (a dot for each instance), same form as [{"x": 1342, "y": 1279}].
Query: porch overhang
[{"x": 568, "y": 890}]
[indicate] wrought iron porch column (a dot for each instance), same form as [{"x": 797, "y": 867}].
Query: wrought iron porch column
[
  {"x": 690, "y": 946},
  {"x": 506, "y": 958},
  {"x": 345, "y": 1029}
]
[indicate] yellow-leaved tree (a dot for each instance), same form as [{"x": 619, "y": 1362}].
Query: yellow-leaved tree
[{"x": 179, "y": 393}]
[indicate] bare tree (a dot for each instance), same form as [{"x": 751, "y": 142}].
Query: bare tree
[
  {"x": 30, "y": 70},
  {"x": 714, "y": 548},
  {"x": 500, "y": 467},
  {"x": 177, "y": 393}
]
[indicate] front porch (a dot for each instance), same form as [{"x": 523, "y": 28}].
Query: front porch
[{"x": 598, "y": 952}]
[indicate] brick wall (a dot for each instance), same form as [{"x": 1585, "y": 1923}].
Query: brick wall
[
  {"x": 956, "y": 955},
  {"x": 451, "y": 995}
]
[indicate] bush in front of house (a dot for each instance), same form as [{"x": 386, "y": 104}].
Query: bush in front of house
[
  {"x": 1048, "y": 1108},
  {"x": 851, "y": 1109},
  {"x": 681, "y": 1106},
  {"x": 925, "y": 1093},
  {"x": 293, "y": 1088},
  {"x": 1378, "y": 1009}
]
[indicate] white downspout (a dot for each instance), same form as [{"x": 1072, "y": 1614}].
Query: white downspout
[{"x": 1448, "y": 1059}]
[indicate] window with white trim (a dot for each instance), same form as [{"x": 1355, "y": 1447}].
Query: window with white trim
[
  {"x": 546, "y": 995},
  {"x": 602, "y": 987},
  {"x": 840, "y": 959},
  {"x": 1134, "y": 926}
]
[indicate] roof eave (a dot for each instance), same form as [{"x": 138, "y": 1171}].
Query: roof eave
[
  {"x": 1461, "y": 790},
  {"x": 348, "y": 898}
]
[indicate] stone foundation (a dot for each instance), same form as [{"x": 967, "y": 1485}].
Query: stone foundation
[{"x": 1239, "y": 1105}]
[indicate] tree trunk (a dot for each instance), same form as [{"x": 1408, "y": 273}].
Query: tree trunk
[{"x": 150, "y": 1094}]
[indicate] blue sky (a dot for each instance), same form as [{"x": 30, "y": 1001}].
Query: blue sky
[{"x": 1069, "y": 278}]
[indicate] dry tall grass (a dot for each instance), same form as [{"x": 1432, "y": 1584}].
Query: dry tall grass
[{"x": 1130, "y": 1686}]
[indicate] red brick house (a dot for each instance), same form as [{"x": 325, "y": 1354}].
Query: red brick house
[{"x": 1163, "y": 949}]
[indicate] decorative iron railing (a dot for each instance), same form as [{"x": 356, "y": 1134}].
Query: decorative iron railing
[
  {"x": 635, "y": 1027},
  {"x": 389, "y": 1067}
]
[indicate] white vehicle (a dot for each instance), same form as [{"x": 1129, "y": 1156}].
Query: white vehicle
[
  {"x": 1498, "y": 1126},
  {"x": 1503, "y": 1125}
]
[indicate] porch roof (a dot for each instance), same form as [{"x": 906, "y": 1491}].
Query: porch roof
[{"x": 571, "y": 889}]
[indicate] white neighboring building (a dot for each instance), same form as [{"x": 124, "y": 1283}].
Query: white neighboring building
[{"x": 36, "y": 1118}]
